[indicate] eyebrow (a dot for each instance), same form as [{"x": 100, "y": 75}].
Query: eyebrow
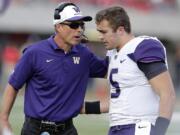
[{"x": 101, "y": 31}]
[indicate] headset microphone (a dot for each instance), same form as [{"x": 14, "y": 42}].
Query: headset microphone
[{"x": 84, "y": 39}]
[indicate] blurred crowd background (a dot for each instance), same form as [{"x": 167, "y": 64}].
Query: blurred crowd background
[{"x": 23, "y": 22}]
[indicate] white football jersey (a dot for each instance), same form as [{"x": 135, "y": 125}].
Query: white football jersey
[{"x": 132, "y": 97}]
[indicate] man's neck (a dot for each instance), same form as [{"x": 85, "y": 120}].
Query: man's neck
[
  {"x": 125, "y": 40},
  {"x": 62, "y": 45}
]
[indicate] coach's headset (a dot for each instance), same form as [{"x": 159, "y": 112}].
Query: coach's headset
[{"x": 60, "y": 9}]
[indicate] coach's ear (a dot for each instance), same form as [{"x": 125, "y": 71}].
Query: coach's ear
[{"x": 58, "y": 27}]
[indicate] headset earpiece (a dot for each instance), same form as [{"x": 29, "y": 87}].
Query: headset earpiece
[
  {"x": 56, "y": 14},
  {"x": 60, "y": 8}
]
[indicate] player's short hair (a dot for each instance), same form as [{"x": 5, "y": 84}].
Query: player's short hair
[{"x": 116, "y": 16}]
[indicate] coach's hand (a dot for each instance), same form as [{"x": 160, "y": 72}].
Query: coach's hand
[{"x": 4, "y": 123}]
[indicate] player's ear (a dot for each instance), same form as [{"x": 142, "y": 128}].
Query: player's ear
[{"x": 120, "y": 30}]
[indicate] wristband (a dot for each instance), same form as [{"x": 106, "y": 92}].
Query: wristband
[
  {"x": 92, "y": 107},
  {"x": 161, "y": 125}
]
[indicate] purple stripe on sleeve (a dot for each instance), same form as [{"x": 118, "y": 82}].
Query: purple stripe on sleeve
[{"x": 149, "y": 51}]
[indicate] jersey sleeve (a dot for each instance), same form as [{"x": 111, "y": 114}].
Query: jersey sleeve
[
  {"x": 149, "y": 50},
  {"x": 23, "y": 70}
]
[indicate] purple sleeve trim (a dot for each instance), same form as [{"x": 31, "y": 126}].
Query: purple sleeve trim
[
  {"x": 149, "y": 50},
  {"x": 23, "y": 70},
  {"x": 14, "y": 84}
]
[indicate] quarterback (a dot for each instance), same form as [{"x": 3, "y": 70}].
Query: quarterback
[{"x": 141, "y": 92}]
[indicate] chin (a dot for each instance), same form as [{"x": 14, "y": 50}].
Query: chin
[
  {"x": 109, "y": 48},
  {"x": 74, "y": 42},
  {"x": 77, "y": 41}
]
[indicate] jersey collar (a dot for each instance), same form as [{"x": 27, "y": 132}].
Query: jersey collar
[{"x": 55, "y": 46}]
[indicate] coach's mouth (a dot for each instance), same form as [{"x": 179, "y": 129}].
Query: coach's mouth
[{"x": 78, "y": 38}]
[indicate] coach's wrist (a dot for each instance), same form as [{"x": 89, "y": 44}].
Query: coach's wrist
[
  {"x": 161, "y": 125},
  {"x": 4, "y": 117}
]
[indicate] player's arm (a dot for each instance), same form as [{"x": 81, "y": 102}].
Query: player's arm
[
  {"x": 162, "y": 85},
  {"x": 161, "y": 82},
  {"x": 8, "y": 100}
]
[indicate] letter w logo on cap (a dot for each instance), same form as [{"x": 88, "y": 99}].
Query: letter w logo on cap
[
  {"x": 76, "y": 60},
  {"x": 76, "y": 9}
]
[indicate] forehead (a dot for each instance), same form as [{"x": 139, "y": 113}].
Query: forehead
[{"x": 104, "y": 24}]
